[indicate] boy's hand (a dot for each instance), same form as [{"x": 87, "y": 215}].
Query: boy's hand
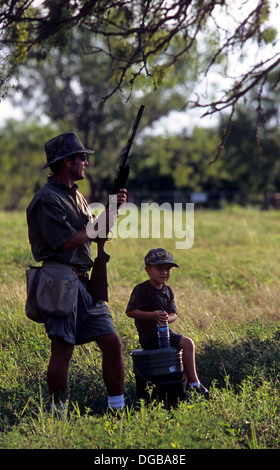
[{"x": 161, "y": 316}]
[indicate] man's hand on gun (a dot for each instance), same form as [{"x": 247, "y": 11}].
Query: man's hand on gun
[
  {"x": 121, "y": 197},
  {"x": 101, "y": 226}
]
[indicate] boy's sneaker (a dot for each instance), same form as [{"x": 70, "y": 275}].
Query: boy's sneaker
[{"x": 199, "y": 389}]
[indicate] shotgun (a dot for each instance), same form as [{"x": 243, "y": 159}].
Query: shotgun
[{"x": 97, "y": 285}]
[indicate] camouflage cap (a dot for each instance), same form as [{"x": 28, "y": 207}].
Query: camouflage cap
[
  {"x": 159, "y": 256},
  {"x": 63, "y": 145}
]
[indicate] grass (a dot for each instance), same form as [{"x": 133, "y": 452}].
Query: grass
[{"x": 227, "y": 292}]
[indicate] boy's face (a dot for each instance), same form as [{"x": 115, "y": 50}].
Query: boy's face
[{"x": 159, "y": 274}]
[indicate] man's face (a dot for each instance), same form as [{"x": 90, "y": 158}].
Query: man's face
[{"x": 78, "y": 166}]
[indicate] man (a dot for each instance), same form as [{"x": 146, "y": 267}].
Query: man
[{"x": 57, "y": 218}]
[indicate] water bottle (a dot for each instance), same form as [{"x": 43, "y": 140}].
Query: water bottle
[{"x": 163, "y": 336}]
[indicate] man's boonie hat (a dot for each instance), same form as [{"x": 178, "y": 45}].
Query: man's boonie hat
[
  {"x": 159, "y": 256},
  {"x": 63, "y": 145}
]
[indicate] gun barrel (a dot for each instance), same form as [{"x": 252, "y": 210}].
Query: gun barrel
[
  {"x": 122, "y": 172},
  {"x": 135, "y": 126}
]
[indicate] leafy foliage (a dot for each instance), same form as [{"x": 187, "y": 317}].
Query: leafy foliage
[
  {"x": 21, "y": 157},
  {"x": 160, "y": 165},
  {"x": 145, "y": 39}
]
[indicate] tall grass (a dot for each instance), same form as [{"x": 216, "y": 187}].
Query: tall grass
[{"x": 227, "y": 293}]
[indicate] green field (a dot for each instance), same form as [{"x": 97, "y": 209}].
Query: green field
[{"x": 227, "y": 291}]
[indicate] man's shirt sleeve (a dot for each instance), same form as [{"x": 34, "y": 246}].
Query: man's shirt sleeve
[{"x": 54, "y": 227}]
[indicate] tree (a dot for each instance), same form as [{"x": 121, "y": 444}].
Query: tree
[
  {"x": 254, "y": 170},
  {"x": 137, "y": 36},
  {"x": 68, "y": 88},
  {"x": 179, "y": 162},
  {"x": 21, "y": 157}
]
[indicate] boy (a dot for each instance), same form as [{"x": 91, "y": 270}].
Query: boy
[{"x": 152, "y": 302}]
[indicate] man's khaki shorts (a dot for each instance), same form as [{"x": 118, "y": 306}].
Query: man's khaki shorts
[{"x": 87, "y": 322}]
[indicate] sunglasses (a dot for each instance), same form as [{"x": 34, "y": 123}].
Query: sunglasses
[{"x": 84, "y": 157}]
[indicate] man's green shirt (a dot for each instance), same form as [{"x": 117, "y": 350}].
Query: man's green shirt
[{"x": 54, "y": 215}]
